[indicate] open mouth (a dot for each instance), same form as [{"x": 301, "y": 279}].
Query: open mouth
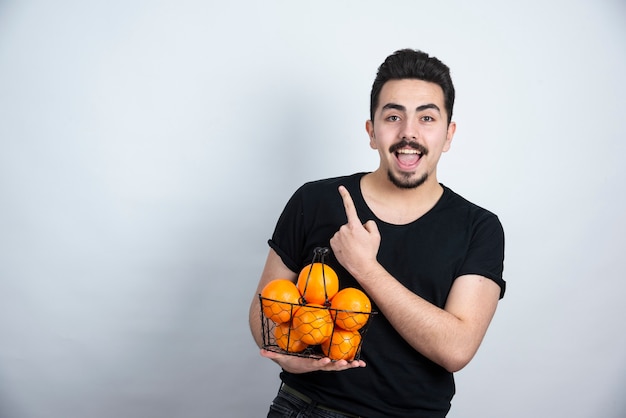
[{"x": 408, "y": 158}]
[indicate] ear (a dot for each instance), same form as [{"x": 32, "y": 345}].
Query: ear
[
  {"x": 449, "y": 136},
  {"x": 369, "y": 127}
]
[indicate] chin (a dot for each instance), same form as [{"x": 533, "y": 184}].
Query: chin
[{"x": 408, "y": 181}]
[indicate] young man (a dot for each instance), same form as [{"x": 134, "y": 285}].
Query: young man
[{"x": 430, "y": 261}]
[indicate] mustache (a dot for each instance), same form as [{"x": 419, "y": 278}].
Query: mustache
[{"x": 412, "y": 144}]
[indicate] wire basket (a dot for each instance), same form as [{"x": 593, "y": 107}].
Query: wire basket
[
  {"x": 321, "y": 337},
  {"x": 313, "y": 330}
]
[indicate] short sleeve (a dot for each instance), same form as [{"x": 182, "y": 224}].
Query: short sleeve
[
  {"x": 288, "y": 237},
  {"x": 485, "y": 255}
]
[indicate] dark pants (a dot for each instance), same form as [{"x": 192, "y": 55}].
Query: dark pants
[{"x": 291, "y": 404}]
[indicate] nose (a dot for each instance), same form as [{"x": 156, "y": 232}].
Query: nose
[{"x": 409, "y": 130}]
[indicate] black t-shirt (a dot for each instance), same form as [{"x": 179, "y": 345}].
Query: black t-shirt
[{"x": 454, "y": 238}]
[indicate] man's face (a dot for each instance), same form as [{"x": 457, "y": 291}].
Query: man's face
[{"x": 410, "y": 131}]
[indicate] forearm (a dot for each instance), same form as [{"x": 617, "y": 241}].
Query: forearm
[
  {"x": 273, "y": 269},
  {"x": 255, "y": 321},
  {"x": 450, "y": 337}
]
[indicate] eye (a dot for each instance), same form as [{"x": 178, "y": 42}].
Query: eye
[
  {"x": 393, "y": 118},
  {"x": 427, "y": 118}
]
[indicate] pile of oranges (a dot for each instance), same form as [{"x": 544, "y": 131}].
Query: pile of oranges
[{"x": 314, "y": 313}]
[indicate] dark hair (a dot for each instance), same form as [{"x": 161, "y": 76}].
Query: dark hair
[{"x": 413, "y": 64}]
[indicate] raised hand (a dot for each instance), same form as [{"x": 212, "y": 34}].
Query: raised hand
[{"x": 355, "y": 244}]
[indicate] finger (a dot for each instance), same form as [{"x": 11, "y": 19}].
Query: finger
[
  {"x": 371, "y": 227},
  {"x": 348, "y": 204},
  {"x": 270, "y": 354},
  {"x": 340, "y": 365}
]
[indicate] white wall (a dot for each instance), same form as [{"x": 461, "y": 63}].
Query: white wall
[{"x": 148, "y": 148}]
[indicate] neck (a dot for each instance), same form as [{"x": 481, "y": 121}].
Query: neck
[{"x": 397, "y": 205}]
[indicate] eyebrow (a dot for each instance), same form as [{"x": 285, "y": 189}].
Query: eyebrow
[{"x": 418, "y": 108}]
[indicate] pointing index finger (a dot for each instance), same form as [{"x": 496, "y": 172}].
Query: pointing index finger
[{"x": 348, "y": 204}]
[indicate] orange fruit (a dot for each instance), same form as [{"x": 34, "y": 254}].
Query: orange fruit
[
  {"x": 278, "y": 298},
  {"x": 287, "y": 340},
  {"x": 343, "y": 345},
  {"x": 318, "y": 283},
  {"x": 313, "y": 324},
  {"x": 350, "y": 308}
]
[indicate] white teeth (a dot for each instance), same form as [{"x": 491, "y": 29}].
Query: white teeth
[{"x": 408, "y": 151}]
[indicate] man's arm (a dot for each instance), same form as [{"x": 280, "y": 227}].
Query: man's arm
[
  {"x": 451, "y": 336},
  {"x": 274, "y": 269}
]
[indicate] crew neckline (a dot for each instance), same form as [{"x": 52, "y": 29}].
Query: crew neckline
[{"x": 371, "y": 215}]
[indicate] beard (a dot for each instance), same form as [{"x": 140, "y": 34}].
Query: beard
[{"x": 404, "y": 181}]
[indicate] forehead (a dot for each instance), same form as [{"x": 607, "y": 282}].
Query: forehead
[{"x": 411, "y": 93}]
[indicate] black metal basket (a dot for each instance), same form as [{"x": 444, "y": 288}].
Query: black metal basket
[
  {"x": 283, "y": 338},
  {"x": 323, "y": 335}
]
